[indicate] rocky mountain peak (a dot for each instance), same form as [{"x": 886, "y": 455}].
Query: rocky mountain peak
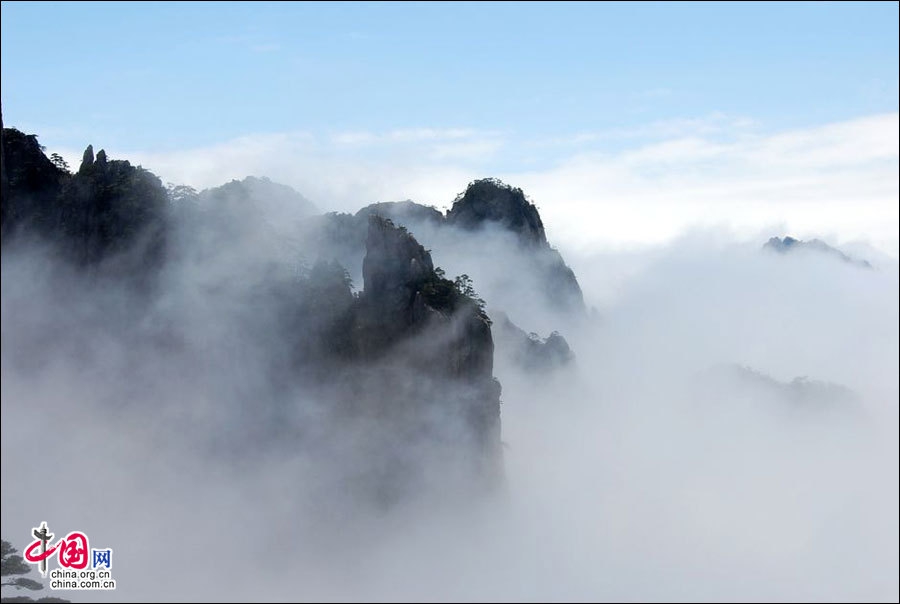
[
  {"x": 790, "y": 244},
  {"x": 87, "y": 159},
  {"x": 491, "y": 201}
]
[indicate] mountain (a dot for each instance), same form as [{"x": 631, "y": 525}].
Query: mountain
[
  {"x": 528, "y": 350},
  {"x": 734, "y": 384},
  {"x": 408, "y": 361},
  {"x": 488, "y": 220},
  {"x": 109, "y": 212},
  {"x": 271, "y": 200},
  {"x": 394, "y": 380},
  {"x": 487, "y": 208},
  {"x": 490, "y": 201},
  {"x": 791, "y": 245}
]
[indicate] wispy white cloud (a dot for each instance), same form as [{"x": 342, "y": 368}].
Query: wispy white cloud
[
  {"x": 714, "y": 124},
  {"x": 838, "y": 181}
]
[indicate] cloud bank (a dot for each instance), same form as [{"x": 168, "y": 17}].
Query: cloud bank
[
  {"x": 680, "y": 458},
  {"x": 636, "y": 187}
]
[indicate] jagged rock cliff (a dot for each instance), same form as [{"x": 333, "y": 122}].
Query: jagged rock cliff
[
  {"x": 485, "y": 205},
  {"x": 395, "y": 271},
  {"x": 411, "y": 359},
  {"x": 410, "y": 314}
]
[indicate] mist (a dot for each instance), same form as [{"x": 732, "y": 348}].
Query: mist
[{"x": 727, "y": 430}]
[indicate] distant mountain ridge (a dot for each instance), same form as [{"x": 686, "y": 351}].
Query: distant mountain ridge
[{"x": 789, "y": 244}]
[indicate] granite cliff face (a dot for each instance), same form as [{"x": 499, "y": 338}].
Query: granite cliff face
[
  {"x": 419, "y": 322},
  {"x": 395, "y": 270},
  {"x": 411, "y": 360},
  {"x": 404, "y": 295}
]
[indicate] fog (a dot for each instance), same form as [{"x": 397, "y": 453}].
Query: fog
[{"x": 677, "y": 458}]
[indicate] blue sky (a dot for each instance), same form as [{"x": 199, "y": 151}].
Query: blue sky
[
  {"x": 656, "y": 117},
  {"x": 176, "y": 75}
]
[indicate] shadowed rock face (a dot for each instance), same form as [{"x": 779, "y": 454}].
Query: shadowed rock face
[
  {"x": 421, "y": 364},
  {"x": 401, "y": 286},
  {"x": 395, "y": 270},
  {"x": 490, "y": 201},
  {"x": 408, "y": 361},
  {"x": 109, "y": 214},
  {"x": 406, "y": 308},
  {"x": 484, "y": 204}
]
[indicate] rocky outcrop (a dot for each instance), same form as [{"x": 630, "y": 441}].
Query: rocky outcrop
[
  {"x": 113, "y": 211},
  {"x": 484, "y": 204},
  {"x": 434, "y": 346},
  {"x": 536, "y": 272},
  {"x": 87, "y": 159},
  {"x": 405, "y": 295},
  {"x": 395, "y": 270},
  {"x": 789, "y": 244},
  {"x": 490, "y": 201},
  {"x": 411, "y": 356},
  {"x": 109, "y": 213},
  {"x": 528, "y": 350}
]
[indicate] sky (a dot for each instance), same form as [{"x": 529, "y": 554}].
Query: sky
[{"x": 653, "y": 118}]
